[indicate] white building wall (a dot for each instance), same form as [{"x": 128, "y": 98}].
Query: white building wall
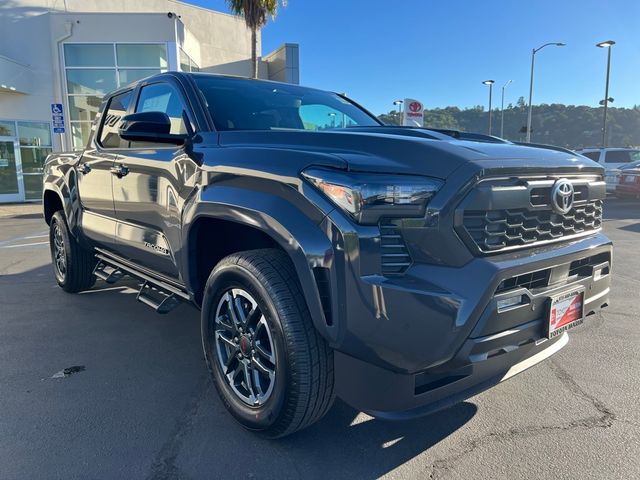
[
  {"x": 36, "y": 55},
  {"x": 32, "y": 33},
  {"x": 223, "y": 38}
]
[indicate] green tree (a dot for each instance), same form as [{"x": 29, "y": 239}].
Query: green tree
[{"x": 255, "y": 14}]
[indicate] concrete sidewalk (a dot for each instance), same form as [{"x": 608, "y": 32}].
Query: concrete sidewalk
[{"x": 18, "y": 209}]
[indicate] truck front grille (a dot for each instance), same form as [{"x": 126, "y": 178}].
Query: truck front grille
[
  {"x": 496, "y": 230},
  {"x": 515, "y": 213}
]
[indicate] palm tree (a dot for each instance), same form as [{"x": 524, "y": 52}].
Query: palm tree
[{"x": 255, "y": 13}]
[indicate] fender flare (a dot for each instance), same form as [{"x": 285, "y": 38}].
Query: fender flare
[
  {"x": 65, "y": 187},
  {"x": 299, "y": 236}
]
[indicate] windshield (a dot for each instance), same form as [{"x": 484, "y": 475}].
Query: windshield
[
  {"x": 635, "y": 164},
  {"x": 242, "y": 104},
  {"x": 635, "y": 156}
]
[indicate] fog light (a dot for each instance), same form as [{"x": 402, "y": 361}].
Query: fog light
[{"x": 507, "y": 303}]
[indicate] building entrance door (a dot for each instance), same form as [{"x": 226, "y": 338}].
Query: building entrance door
[{"x": 11, "y": 186}]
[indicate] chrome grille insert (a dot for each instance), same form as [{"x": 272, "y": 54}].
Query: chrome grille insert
[{"x": 509, "y": 214}]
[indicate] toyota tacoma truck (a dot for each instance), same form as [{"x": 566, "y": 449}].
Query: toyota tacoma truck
[{"x": 401, "y": 269}]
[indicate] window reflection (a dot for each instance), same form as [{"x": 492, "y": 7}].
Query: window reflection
[
  {"x": 141, "y": 55},
  {"x": 90, "y": 82},
  {"x": 34, "y": 133},
  {"x": 89, "y": 55},
  {"x": 35, "y": 145}
]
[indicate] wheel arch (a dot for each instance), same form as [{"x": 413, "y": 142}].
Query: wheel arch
[
  {"x": 258, "y": 220},
  {"x": 51, "y": 203}
]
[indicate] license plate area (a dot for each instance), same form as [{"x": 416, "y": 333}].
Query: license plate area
[{"x": 566, "y": 310}]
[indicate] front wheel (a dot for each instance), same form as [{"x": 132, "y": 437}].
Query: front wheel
[
  {"x": 272, "y": 369},
  {"x": 72, "y": 263}
]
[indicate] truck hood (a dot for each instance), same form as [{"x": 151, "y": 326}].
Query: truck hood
[{"x": 408, "y": 151}]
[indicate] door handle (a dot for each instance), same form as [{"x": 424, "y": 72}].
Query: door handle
[
  {"x": 119, "y": 170},
  {"x": 84, "y": 168}
]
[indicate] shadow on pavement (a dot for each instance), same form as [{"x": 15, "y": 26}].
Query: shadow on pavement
[
  {"x": 340, "y": 448},
  {"x": 146, "y": 370},
  {"x": 25, "y": 216}
]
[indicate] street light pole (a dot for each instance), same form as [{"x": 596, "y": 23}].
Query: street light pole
[
  {"x": 502, "y": 109},
  {"x": 399, "y": 104},
  {"x": 533, "y": 62},
  {"x": 608, "y": 44},
  {"x": 490, "y": 84}
]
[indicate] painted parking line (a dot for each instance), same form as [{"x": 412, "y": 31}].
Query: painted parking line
[
  {"x": 22, "y": 245},
  {"x": 34, "y": 236},
  {"x": 28, "y": 237}
]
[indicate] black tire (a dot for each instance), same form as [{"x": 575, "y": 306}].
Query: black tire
[
  {"x": 303, "y": 389},
  {"x": 74, "y": 268}
]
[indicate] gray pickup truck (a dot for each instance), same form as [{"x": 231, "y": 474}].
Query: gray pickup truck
[{"x": 402, "y": 269}]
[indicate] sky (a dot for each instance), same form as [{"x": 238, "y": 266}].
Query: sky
[{"x": 440, "y": 51}]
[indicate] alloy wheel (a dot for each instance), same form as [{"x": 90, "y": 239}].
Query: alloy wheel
[
  {"x": 245, "y": 347},
  {"x": 59, "y": 252}
]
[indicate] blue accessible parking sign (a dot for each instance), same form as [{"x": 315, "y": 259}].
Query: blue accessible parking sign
[{"x": 57, "y": 117}]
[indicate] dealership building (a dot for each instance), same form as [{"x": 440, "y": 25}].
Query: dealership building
[{"x": 72, "y": 52}]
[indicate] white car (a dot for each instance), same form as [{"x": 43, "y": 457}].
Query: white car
[{"x": 613, "y": 160}]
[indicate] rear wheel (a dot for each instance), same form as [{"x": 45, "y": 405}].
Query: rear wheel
[
  {"x": 72, "y": 263},
  {"x": 272, "y": 369}
]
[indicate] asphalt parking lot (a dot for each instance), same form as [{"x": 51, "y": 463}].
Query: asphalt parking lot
[{"x": 143, "y": 407}]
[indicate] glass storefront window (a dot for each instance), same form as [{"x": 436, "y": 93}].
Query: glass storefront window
[
  {"x": 84, "y": 108},
  {"x": 141, "y": 55},
  {"x": 112, "y": 66},
  {"x": 35, "y": 134},
  {"x": 89, "y": 55},
  {"x": 184, "y": 62},
  {"x": 33, "y": 159},
  {"x": 187, "y": 64},
  {"x": 80, "y": 134},
  {"x": 7, "y": 129},
  {"x": 129, "y": 75},
  {"x": 32, "y": 165},
  {"x": 8, "y": 169},
  {"x": 91, "y": 82}
]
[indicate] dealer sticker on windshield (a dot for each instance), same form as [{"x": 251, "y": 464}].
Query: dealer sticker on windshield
[{"x": 567, "y": 311}]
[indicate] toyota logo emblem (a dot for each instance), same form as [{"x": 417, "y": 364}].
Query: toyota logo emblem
[
  {"x": 415, "y": 106},
  {"x": 562, "y": 196}
]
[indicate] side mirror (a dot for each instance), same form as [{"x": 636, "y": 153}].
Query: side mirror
[{"x": 151, "y": 127}]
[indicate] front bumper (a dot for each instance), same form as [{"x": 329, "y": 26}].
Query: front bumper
[
  {"x": 437, "y": 335},
  {"x": 393, "y": 396}
]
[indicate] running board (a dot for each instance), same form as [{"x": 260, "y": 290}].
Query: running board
[
  {"x": 159, "y": 300},
  {"x": 108, "y": 273},
  {"x": 154, "y": 292}
]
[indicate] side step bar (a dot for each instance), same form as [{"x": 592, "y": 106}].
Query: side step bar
[
  {"x": 157, "y": 299},
  {"x": 154, "y": 292}
]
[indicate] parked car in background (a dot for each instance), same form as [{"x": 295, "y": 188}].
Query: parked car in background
[
  {"x": 613, "y": 160},
  {"x": 629, "y": 181}
]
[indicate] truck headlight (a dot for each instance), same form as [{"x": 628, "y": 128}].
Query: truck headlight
[{"x": 367, "y": 197}]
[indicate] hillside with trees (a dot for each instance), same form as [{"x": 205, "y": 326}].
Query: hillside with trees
[{"x": 568, "y": 126}]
